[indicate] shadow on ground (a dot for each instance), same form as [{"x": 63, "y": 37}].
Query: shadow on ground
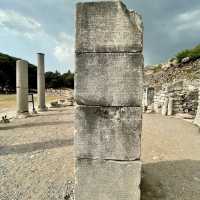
[
  {"x": 28, "y": 125},
  {"x": 171, "y": 180},
  {"x": 24, "y": 148}
]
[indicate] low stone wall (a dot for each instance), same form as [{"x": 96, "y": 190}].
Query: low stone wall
[
  {"x": 59, "y": 92},
  {"x": 183, "y": 93}
]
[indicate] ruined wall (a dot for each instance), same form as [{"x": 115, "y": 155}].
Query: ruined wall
[{"x": 184, "y": 94}]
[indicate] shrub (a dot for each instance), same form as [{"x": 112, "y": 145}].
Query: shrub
[{"x": 193, "y": 54}]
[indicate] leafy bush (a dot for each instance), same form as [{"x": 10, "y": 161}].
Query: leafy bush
[
  {"x": 57, "y": 80},
  {"x": 193, "y": 54}
]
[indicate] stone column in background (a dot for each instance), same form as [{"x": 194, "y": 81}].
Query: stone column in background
[
  {"x": 197, "y": 118},
  {"x": 41, "y": 82},
  {"x": 22, "y": 87},
  {"x": 165, "y": 106},
  {"x": 108, "y": 93},
  {"x": 170, "y": 107},
  {"x": 146, "y": 96}
]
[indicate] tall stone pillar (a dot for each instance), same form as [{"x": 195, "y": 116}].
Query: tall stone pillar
[
  {"x": 165, "y": 106},
  {"x": 108, "y": 93},
  {"x": 22, "y": 87},
  {"x": 41, "y": 82},
  {"x": 145, "y": 97},
  {"x": 170, "y": 107}
]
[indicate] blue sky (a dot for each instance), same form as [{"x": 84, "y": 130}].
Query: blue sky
[{"x": 31, "y": 26}]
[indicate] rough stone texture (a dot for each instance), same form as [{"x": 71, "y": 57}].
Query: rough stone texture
[
  {"x": 108, "y": 91},
  {"x": 109, "y": 79},
  {"x": 184, "y": 93},
  {"x": 108, "y": 27},
  {"x": 22, "y": 86},
  {"x": 41, "y": 82},
  {"x": 108, "y": 132},
  {"x": 106, "y": 180}
]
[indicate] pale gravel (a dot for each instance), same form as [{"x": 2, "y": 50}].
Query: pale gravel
[{"x": 36, "y": 157}]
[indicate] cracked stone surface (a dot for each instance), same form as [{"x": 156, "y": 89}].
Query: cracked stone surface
[
  {"x": 108, "y": 132},
  {"x": 122, "y": 29}
]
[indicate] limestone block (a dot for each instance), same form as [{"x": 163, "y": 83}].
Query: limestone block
[
  {"x": 107, "y": 180},
  {"x": 108, "y": 132},
  {"x": 108, "y": 27},
  {"x": 109, "y": 79}
]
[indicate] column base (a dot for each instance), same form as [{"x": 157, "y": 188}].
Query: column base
[
  {"x": 42, "y": 109},
  {"x": 22, "y": 115}
]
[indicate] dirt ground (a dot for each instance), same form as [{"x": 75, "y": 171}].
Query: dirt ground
[
  {"x": 171, "y": 156},
  {"x": 36, "y": 157}
]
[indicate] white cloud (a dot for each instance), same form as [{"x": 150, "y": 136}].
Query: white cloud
[
  {"x": 62, "y": 46},
  {"x": 188, "y": 21},
  {"x": 21, "y": 25},
  {"x": 64, "y": 50}
]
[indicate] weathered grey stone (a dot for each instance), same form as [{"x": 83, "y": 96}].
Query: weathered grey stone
[
  {"x": 108, "y": 132},
  {"x": 22, "y": 86},
  {"x": 109, "y": 79},
  {"x": 108, "y": 27},
  {"x": 107, "y": 180},
  {"x": 41, "y": 82}
]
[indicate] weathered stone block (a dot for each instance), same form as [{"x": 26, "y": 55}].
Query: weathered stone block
[
  {"x": 109, "y": 79},
  {"x": 107, "y": 180},
  {"x": 108, "y": 27},
  {"x": 108, "y": 132}
]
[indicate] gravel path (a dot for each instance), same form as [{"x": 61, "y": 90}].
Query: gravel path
[
  {"x": 171, "y": 156},
  {"x": 36, "y": 157}
]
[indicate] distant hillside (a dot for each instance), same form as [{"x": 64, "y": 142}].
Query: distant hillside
[
  {"x": 8, "y": 73},
  {"x": 185, "y": 65}
]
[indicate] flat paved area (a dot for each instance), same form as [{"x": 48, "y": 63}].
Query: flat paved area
[{"x": 36, "y": 157}]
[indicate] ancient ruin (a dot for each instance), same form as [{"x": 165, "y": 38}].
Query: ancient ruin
[
  {"x": 177, "y": 83},
  {"x": 22, "y": 87},
  {"x": 41, "y": 82},
  {"x": 108, "y": 91}
]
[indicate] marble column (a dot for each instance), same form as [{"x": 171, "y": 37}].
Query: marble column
[
  {"x": 41, "y": 82},
  {"x": 22, "y": 87},
  {"x": 170, "y": 107}
]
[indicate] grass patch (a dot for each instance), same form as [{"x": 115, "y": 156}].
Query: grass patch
[
  {"x": 9, "y": 101},
  {"x": 193, "y": 54}
]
